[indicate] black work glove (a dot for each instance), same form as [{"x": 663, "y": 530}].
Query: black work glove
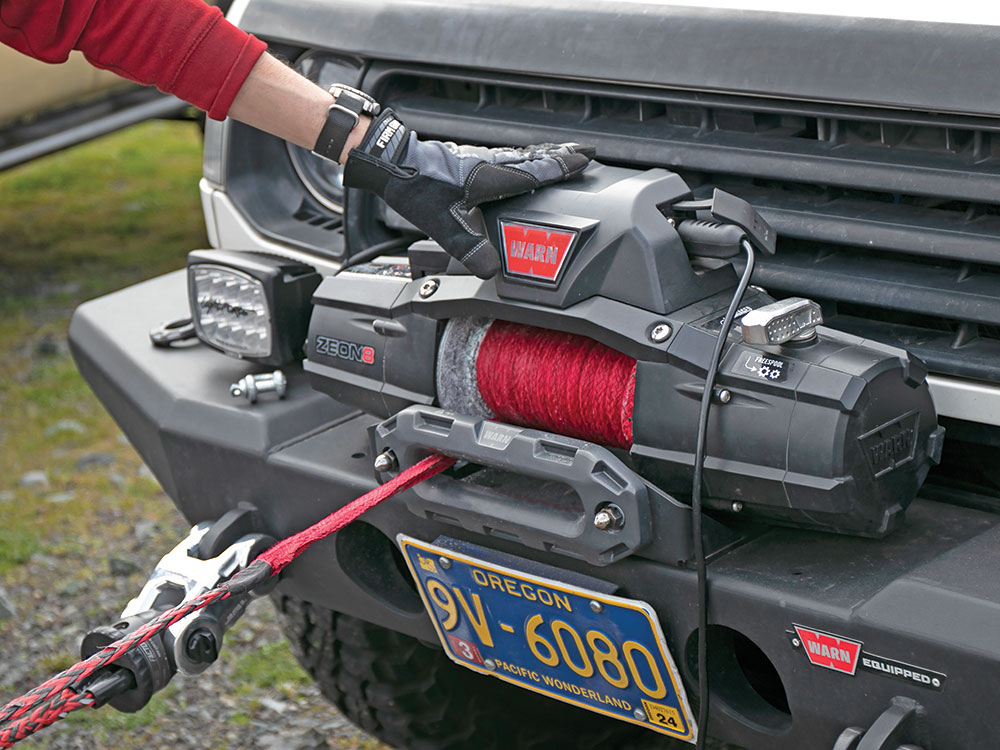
[{"x": 435, "y": 185}]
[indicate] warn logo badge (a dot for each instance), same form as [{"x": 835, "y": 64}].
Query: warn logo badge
[
  {"x": 533, "y": 251},
  {"x": 830, "y": 651}
]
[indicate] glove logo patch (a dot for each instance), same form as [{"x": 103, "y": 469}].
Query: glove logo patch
[{"x": 534, "y": 251}]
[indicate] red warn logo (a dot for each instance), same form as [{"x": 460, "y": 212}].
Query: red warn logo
[
  {"x": 533, "y": 251},
  {"x": 830, "y": 651}
]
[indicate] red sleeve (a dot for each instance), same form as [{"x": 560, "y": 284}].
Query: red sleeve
[{"x": 183, "y": 47}]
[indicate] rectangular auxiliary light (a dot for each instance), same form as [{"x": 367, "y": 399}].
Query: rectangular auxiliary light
[{"x": 251, "y": 305}]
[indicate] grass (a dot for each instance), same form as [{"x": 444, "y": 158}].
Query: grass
[
  {"x": 270, "y": 665},
  {"x": 72, "y": 226},
  {"x": 75, "y": 225}
]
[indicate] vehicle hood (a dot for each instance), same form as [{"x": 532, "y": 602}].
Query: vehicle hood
[{"x": 910, "y": 64}]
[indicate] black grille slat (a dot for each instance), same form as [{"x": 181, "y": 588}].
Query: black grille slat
[
  {"x": 877, "y": 281},
  {"x": 935, "y": 232}
]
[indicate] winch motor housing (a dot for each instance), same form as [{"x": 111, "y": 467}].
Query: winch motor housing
[{"x": 827, "y": 431}]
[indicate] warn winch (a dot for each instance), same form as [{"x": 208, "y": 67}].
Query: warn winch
[{"x": 602, "y": 327}]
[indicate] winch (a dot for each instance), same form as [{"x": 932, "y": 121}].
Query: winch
[{"x": 602, "y": 326}]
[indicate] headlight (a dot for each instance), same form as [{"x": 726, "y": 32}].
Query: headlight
[
  {"x": 323, "y": 178},
  {"x": 250, "y": 305}
]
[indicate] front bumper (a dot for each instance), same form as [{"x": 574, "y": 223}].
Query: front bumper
[{"x": 929, "y": 595}]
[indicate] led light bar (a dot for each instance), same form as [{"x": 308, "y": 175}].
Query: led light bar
[
  {"x": 787, "y": 319},
  {"x": 251, "y": 305}
]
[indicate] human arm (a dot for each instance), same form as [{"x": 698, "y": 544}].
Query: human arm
[{"x": 187, "y": 48}]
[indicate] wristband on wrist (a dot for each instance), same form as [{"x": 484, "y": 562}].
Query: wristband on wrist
[{"x": 341, "y": 118}]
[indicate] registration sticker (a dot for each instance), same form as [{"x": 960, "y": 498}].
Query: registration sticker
[{"x": 600, "y": 652}]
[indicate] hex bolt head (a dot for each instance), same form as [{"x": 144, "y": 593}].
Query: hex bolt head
[
  {"x": 444, "y": 562},
  {"x": 490, "y": 664},
  {"x": 428, "y": 288},
  {"x": 386, "y": 461},
  {"x": 639, "y": 714},
  {"x": 609, "y": 517},
  {"x": 201, "y": 647},
  {"x": 737, "y": 506},
  {"x": 596, "y": 607},
  {"x": 660, "y": 333}
]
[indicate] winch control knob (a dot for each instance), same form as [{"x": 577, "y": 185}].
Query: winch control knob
[{"x": 789, "y": 319}]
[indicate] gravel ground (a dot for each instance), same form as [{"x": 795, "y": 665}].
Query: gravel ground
[{"x": 254, "y": 697}]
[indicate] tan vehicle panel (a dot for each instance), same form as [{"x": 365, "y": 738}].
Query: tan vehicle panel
[{"x": 30, "y": 86}]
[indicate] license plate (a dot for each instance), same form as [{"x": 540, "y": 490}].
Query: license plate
[{"x": 603, "y": 653}]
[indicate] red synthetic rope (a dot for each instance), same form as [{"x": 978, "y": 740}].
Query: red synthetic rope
[
  {"x": 557, "y": 381},
  {"x": 58, "y": 696}
]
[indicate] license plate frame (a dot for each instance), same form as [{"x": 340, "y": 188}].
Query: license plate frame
[{"x": 485, "y": 623}]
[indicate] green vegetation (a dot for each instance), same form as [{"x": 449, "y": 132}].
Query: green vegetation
[
  {"x": 269, "y": 666},
  {"x": 72, "y": 226}
]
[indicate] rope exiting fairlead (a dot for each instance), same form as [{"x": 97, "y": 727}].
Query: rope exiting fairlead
[{"x": 81, "y": 686}]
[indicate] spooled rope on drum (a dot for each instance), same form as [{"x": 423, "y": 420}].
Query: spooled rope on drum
[{"x": 535, "y": 377}]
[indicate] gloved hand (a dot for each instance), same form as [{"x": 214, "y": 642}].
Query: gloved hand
[{"x": 435, "y": 185}]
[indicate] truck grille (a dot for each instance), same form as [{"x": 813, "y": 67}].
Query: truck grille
[{"x": 890, "y": 218}]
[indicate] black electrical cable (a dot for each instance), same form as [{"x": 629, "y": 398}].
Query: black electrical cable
[
  {"x": 699, "y": 461},
  {"x": 370, "y": 253}
]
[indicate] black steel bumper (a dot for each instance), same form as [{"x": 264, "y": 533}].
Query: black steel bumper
[{"x": 929, "y": 595}]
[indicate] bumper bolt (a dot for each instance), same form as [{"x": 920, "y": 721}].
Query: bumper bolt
[
  {"x": 725, "y": 396},
  {"x": 796, "y": 642},
  {"x": 737, "y": 506},
  {"x": 386, "y": 461},
  {"x": 251, "y": 386},
  {"x": 609, "y": 518},
  {"x": 660, "y": 333},
  {"x": 428, "y": 288}
]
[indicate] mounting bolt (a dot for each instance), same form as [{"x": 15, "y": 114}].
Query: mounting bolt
[
  {"x": 596, "y": 607},
  {"x": 796, "y": 642},
  {"x": 609, "y": 517},
  {"x": 672, "y": 221},
  {"x": 725, "y": 396},
  {"x": 490, "y": 664},
  {"x": 737, "y": 506},
  {"x": 251, "y": 386},
  {"x": 639, "y": 714},
  {"x": 201, "y": 647},
  {"x": 660, "y": 333},
  {"x": 386, "y": 461},
  {"x": 444, "y": 562},
  {"x": 428, "y": 288}
]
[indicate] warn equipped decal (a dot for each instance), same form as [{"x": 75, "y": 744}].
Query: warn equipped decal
[
  {"x": 345, "y": 350},
  {"x": 844, "y": 655},
  {"x": 533, "y": 251}
]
